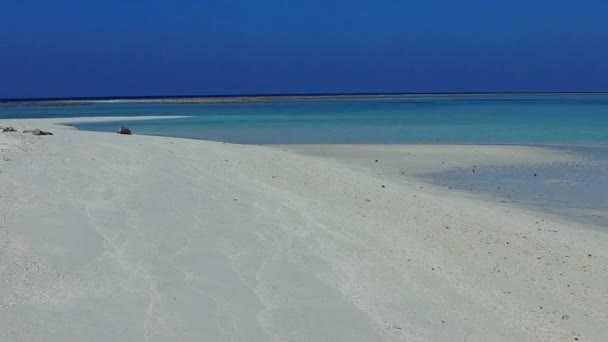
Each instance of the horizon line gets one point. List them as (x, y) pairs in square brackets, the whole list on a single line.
[(286, 95)]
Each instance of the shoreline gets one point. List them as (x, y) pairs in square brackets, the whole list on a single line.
[(539, 154), (531, 155), (143, 237)]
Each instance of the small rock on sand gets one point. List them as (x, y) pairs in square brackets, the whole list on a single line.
[(124, 130), (37, 132), (8, 129)]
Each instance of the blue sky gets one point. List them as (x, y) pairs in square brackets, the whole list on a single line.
[(70, 48)]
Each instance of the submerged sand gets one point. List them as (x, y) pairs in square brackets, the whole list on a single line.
[(136, 238)]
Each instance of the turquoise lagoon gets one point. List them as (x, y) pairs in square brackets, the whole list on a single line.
[(488, 119)]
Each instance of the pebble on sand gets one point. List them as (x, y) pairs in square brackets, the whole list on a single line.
[(8, 129), (37, 132), (124, 130)]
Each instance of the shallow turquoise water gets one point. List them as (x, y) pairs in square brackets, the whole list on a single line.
[(513, 119), (576, 189)]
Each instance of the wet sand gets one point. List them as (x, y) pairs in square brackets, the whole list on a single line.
[(569, 181)]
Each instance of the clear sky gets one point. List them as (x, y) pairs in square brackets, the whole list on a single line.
[(68, 48)]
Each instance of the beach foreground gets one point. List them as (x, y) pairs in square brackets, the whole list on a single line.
[(106, 237)]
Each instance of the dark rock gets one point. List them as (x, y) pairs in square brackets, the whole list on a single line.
[(124, 130), (8, 129), (37, 132)]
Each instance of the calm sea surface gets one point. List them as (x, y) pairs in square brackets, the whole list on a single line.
[(514, 119)]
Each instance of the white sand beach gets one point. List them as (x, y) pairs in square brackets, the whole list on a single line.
[(105, 237)]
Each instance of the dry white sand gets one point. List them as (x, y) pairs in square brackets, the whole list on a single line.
[(136, 238), (420, 159)]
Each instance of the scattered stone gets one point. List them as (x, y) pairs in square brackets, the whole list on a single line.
[(8, 129), (124, 130), (565, 317), (37, 132)]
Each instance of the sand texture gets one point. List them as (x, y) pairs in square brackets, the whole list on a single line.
[(106, 237)]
